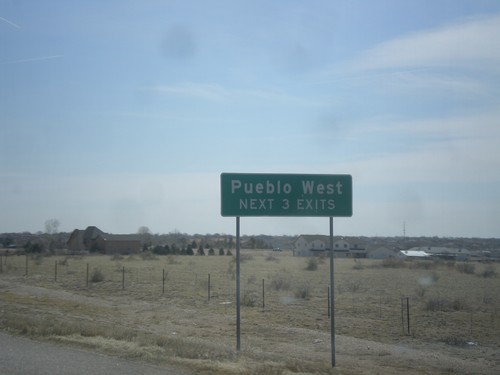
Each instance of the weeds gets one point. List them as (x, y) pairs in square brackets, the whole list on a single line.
[(489, 271), (444, 304), (272, 258), (303, 291), (97, 276), (393, 263), (312, 264), (249, 298), (280, 281), (467, 268)]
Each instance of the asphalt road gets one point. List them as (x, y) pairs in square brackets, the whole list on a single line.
[(22, 356)]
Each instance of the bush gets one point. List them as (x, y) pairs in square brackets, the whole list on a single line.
[(117, 257), (312, 264), (443, 304), (249, 298), (271, 258), (303, 291), (161, 250), (148, 255), (281, 281), (489, 271), (358, 265), (97, 276), (393, 263), (467, 268)]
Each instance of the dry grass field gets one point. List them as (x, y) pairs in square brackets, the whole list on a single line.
[(122, 306)]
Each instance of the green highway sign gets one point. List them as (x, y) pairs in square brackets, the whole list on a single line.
[(262, 194)]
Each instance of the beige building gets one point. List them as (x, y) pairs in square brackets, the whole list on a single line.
[(309, 245)]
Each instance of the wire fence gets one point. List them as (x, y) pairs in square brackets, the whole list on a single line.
[(385, 303)]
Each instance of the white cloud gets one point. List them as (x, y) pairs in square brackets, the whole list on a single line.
[(219, 93), (464, 44)]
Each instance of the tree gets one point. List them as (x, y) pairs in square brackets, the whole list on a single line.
[(211, 251), (51, 228), (145, 234), (221, 251), (33, 247), (201, 251)]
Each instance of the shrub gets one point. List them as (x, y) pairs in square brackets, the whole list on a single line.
[(97, 276), (280, 281), (245, 257), (312, 264), (272, 258), (443, 304), (467, 268), (353, 286), (303, 291), (420, 291), (358, 265), (148, 255), (117, 257), (393, 263), (435, 304), (249, 298), (489, 271)]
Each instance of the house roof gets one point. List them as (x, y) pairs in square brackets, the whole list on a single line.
[(119, 237), (440, 250), (415, 253), (92, 233)]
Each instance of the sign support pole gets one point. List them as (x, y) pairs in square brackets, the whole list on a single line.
[(238, 316), (332, 294)]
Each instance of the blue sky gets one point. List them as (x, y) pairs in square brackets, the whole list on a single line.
[(123, 114)]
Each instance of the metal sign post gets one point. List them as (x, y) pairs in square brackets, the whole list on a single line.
[(332, 295), (238, 306), (261, 194)]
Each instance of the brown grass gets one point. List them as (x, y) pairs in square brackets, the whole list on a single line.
[(291, 335)]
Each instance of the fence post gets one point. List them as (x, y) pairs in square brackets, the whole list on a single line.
[(407, 314), (26, 265), (87, 275), (123, 277), (163, 283), (55, 271), (209, 287), (263, 296)]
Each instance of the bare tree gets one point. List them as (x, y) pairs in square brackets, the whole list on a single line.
[(145, 234), (51, 228)]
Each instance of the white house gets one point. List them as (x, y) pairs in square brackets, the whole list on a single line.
[(308, 245)]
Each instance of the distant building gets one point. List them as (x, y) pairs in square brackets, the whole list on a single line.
[(311, 245), (413, 254), (381, 253), (447, 253), (93, 239)]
